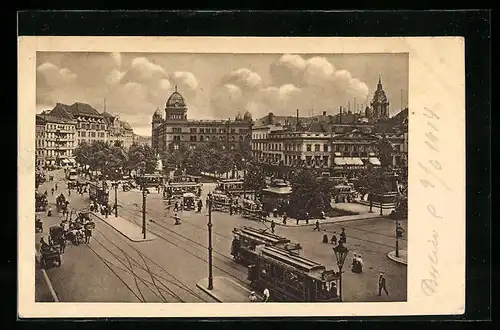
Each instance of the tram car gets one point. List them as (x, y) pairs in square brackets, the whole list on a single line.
[(246, 239), (230, 186), (292, 278), (250, 209), (220, 202), (175, 190), (98, 192)]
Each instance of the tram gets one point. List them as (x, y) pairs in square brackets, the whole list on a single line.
[(175, 190), (246, 239), (221, 202), (99, 192), (292, 278), (230, 186), (250, 209), (150, 180)]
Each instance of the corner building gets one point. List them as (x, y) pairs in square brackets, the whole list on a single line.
[(176, 130)]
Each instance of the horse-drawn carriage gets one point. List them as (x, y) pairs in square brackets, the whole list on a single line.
[(38, 225), (50, 254), (61, 202), (41, 202), (188, 201)]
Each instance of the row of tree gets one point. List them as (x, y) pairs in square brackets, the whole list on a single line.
[(112, 160)]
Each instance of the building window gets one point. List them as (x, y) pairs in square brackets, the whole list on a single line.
[(308, 147), (201, 138), (241, 138), (176, 147), (346, 148), (192, 130), (176, 130), (214, 130), (232, 146), (84, 134), (232, 138), (316, 147), (233, 131), (201, 130), (192, 138), (325, 147)]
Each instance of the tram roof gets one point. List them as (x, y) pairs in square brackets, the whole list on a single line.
[(310, 267), (231, 181), (261, 235)]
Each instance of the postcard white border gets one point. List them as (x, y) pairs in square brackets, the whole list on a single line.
[(436, 242)]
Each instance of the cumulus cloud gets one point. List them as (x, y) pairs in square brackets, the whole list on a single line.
[(244, 78), (185, 80), (55, 76), (296, 83), (117, 58), (144, 72)]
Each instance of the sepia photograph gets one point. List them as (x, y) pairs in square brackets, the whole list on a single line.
[(228, 177)]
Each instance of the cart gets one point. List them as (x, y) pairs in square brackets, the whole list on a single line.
[(38, 226), (50, 255)]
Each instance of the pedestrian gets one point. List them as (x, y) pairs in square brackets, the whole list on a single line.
[(272, 226), (56, 187), (266, 295), (88, 233), (316, 227), (343, 236), (177, 220), (382, 285), (176, 206), (252, 297), (69, 192), (333, 240), (284, 218), (297, 220), (325, 238), (323, 215), (231, 208), (52, 190), (307, 218), (49, 211)]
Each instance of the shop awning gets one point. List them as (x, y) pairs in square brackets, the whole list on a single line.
[(374, 161), (348, 161)]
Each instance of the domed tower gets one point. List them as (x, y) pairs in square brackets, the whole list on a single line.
[(380, 104), (176, 109), (247, 116), (238, 117)]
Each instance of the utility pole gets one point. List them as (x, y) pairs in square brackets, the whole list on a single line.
[(209, 225), (397, 237), (144, 194)]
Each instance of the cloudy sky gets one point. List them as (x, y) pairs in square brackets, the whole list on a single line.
[(218, 85)]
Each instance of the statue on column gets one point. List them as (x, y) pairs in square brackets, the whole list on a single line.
[(159, 164)]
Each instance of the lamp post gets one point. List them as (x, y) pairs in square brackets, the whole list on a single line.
[(340, 253), (397, 237), (209, 225), (244, 178), (116, 199), (144, 194)]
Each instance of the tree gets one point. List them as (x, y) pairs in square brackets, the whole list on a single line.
[(255, 178), (309, 194), (373, 181), (141, 157)]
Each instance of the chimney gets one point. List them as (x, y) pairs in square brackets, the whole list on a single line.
[(324, 113), (340, 115)]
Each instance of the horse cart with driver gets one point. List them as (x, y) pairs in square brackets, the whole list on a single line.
[(50, 254)]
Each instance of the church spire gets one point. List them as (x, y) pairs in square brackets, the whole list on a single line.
[(176, 88)]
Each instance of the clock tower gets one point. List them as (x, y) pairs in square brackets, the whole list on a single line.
[(176, 109)]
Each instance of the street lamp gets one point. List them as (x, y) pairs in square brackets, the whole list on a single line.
[(340, 253), (144, 194), (209, 225), (244, 177), (116, 198)]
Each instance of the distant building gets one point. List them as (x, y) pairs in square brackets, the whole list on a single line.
[(118, 130), (144, 140), (169, 133), (91, 125), (55, 140)]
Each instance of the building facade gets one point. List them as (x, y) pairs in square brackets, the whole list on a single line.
[(119, 131), (55, 140), (174, 130), (91, 125)]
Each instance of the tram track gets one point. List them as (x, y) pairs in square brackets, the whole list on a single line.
[(168, 235), (166, 280)]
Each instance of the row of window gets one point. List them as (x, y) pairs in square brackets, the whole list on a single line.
[(91, 126), (194, 130), (92, 134), (313, 147), (193, 146), (55, 127)]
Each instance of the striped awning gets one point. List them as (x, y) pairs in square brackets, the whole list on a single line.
[(349, 161)]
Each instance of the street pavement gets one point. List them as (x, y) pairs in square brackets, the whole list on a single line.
[(114, 269)]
